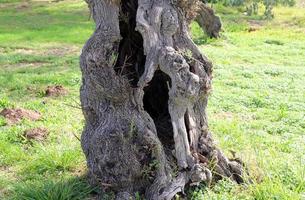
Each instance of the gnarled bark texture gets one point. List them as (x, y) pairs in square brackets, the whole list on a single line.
[(208, 21), (144, 94)]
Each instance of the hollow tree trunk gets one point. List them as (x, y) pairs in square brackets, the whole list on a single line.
[(208, 21), (144, 94)]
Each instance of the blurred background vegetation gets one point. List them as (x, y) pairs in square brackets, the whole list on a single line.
[(252, 6)]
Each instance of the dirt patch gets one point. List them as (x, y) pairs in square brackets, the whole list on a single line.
[(23, 6), (254, 25), (57, 51), (24, 51), (38, 134), (62, 51), (56, 90), (224, 115), (25, 64), (14, 116), (229, 116), (301, 3), (252, 29)]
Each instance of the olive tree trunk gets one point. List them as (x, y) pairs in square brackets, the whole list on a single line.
[(144, 94), (208, 21)]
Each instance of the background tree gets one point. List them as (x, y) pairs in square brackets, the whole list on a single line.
[(207, 20), (144, 94)]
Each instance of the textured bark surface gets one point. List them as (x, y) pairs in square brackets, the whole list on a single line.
[(208, 21), (144, 94)]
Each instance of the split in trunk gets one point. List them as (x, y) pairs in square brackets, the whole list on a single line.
[(144, 94)]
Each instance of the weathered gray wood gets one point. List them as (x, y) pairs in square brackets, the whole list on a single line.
[(144, 93)]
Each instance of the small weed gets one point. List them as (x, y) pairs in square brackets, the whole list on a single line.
[(275, 42), (138, 196), (2, 121), (247, 75), (283, 112), (149, 170), (273, 73), (257, 102), (5, 103)]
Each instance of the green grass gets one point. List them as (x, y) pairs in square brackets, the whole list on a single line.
[(257, 106), (72, 189)]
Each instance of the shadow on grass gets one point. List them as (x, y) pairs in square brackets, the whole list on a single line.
[(76, 188), (198, 35), (201, 40)]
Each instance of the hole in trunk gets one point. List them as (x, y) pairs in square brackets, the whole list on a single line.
[(131, 58), (130, 63), (187, 125), (156, 104)]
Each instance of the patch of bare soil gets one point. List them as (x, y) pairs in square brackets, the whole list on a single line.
[(252, 29), (25, 64), (62, 51), (14, 116), (38, 134), (301, 4), (224, 115), (230, 116), (49, 51), (57, 90), (254, 25), (23, 6), (24, 51)]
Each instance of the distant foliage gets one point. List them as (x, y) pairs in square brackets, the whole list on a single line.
[(243, 2), (268, 8), (286, 2), (252, 5)]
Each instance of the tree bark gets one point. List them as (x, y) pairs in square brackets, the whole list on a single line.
[(208, 21), (144, 94)]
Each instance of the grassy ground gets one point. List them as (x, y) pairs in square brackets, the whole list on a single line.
[(257, 107)]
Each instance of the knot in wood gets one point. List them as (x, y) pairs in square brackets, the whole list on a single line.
[(169, 23), (185, 83), (199, 173)]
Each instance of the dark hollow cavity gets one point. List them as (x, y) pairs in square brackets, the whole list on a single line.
[(156, 104), (131, 59), (131, 62)]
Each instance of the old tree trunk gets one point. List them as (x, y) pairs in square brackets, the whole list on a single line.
[(144, 94)]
